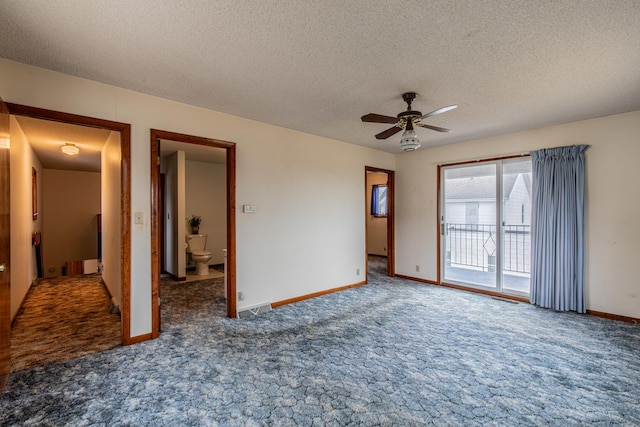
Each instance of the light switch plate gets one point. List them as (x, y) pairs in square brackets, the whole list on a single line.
[(138, 218), (248, 208)]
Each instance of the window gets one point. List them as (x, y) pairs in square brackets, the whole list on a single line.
[(485, 225), (379, 200)]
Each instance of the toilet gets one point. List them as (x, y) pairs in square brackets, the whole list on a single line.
[(196, 244)]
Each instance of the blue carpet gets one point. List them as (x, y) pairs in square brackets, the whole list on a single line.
[(393, 352)]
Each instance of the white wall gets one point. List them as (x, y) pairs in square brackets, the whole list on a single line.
[(23, 264), (110, 206), (376, 226), (71, 203), (206, 195), (612, 203), (308, 189), (175, 217)]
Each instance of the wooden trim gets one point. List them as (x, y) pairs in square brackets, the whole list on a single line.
[(191, 139), (391, 230), (366, 228), (155, 136), (125, 232), (5, 250), (464, 288), (315, 294), (155, 234), (59, 116), (417, 279), (602, 314), (391, 222), (125, 191), (230, 271), (138, 339), (611, 316), (491, 159)]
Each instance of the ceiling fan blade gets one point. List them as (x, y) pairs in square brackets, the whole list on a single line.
[(379, 118), (387, 133), (440, 111), (436, 128)]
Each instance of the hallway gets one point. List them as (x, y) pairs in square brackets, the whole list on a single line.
[(63, 318)]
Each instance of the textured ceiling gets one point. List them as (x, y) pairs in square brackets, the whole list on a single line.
[(318, 66), (46, 137)]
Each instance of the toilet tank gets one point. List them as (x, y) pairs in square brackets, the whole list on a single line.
[(196, 242)]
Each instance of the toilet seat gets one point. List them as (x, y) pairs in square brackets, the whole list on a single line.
[(200, 253)]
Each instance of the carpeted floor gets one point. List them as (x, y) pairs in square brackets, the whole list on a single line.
[(63, 318), (392, 352)]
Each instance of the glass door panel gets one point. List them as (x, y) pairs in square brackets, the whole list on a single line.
[(516, 225), (468, 223)]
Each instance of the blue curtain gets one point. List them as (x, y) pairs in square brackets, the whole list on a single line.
[(375, 200), (557, 223)]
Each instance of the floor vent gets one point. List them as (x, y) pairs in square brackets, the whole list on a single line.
[(254, 310), (510, 301)]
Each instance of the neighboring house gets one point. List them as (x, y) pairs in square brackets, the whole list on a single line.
[(470, 221), (472, 200)]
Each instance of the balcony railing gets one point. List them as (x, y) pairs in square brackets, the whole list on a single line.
[(474, 245)]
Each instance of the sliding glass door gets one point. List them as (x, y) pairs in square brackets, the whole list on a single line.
[(485, 225), (516, 225)]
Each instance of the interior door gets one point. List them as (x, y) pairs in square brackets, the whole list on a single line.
[(5, 250)]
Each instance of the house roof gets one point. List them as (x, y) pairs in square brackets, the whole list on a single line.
[(479, 187), (319, 66)]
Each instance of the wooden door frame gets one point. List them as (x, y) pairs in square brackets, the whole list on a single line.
[(5, 251), (391, 251), (230, 272), (125, 192)]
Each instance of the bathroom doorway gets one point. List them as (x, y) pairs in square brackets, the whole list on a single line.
[(158, 220)]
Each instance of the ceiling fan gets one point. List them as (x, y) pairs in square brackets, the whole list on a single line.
[(407, 120)]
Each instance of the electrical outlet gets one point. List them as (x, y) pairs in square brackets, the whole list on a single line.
[(417, 268), (240, 296), (357, 271)]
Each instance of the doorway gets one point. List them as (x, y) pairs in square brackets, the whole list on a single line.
[(379, 220), (124, 131), (157, 220), (485, 225)]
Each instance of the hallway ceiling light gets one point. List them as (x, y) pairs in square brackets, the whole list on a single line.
[(69, 149)]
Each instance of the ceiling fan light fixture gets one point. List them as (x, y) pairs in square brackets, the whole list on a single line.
[(409, 141), (69, 149)]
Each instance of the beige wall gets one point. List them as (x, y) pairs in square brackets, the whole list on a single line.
[(206, 195), (612, 203), (308, 192), (110, 204), (23, 264), (71, 202), (307, 189), (376, 226)]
